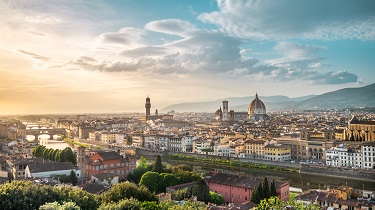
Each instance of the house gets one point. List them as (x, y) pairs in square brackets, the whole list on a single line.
[(110, 162), (50, 169), (238, 189), (340, 198), (93, 188), (17, 166), (104, 179)]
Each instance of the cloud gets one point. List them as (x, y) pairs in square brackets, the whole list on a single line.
[(34, 56), (126, 36), (42, 19), (318, 19), (171, 26)]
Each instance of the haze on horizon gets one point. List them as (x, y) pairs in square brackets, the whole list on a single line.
[(108, 56)]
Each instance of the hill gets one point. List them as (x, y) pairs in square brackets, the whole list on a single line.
[(343, 98)]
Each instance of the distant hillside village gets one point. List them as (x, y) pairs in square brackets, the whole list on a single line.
[(103, 148)]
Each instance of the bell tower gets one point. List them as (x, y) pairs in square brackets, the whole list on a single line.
[(148, 106)]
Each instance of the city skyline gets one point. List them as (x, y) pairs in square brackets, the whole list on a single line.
[(108, 56)]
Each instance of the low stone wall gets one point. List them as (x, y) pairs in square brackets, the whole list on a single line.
[(362, 174)]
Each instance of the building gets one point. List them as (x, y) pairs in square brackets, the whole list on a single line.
[(148, 116), (238, 189), (277, 152), (257, 110), (110, 162), (359, 130), (341, 198), (50, 169), (344, 156), (254, 148), (368, 155)]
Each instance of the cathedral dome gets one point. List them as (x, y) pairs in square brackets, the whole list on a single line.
[(256, 107)]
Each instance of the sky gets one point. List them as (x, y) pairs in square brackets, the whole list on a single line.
[(97, 56)]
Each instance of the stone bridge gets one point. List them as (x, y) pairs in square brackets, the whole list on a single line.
[(49, 131)]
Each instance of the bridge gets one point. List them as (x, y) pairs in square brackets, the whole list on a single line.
[(49, 131)]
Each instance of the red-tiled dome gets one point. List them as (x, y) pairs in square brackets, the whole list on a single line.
[(256, 106)]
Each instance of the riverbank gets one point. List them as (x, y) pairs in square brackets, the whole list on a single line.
[(243, 164)]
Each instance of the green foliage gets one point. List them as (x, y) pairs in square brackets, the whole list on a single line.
[(157, 167), (255, 197), (187, 176), (216, 198), (125, 204), (273, 189), (188, 205), (202, 191), (65, 155), (83, 199), (129, 140), (27, 195), (181, 168), (136, 175), (266, 189), (276, 204), (225, 162), (56, 206), (153, 181), (73, 178), (271, 203), (128, 190), (179, 195), (150, 205)]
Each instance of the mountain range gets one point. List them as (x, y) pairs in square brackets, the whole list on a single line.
[(343, 98)]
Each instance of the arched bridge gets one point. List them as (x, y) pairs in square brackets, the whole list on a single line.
[(49, 131)]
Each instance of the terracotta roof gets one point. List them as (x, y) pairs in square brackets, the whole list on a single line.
[(109, 155), (93, 188), (54, 166)]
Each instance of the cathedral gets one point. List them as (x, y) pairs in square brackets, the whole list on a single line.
[(256, 111)]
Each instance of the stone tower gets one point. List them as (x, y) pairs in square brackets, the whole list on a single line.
[(225, 111), (148, 106), (81, 160)]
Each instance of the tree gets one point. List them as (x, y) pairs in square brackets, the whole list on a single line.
[(266, 188), (181, 168), (276, 204), (179, 195), (56, 206), (271, 203), (125, 204), (260, 191), (142, 168), (128, 190), (255, 197), (202, 191), (157, 167), (216, 198), (273, 189), (129, 140), (153, 181), (70, 156), (73, 178)]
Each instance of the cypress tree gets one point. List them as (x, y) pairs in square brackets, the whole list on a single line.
[(260, 191), (266, 189), (273, 189), (255, 197), (158, 167)]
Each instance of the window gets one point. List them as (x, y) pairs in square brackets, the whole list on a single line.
[(112, 165), (118, 172), (118, 164), (239, 197), (245, 198)]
